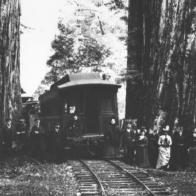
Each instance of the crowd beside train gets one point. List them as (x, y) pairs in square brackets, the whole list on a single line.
[(19, 140), (22, 139), (160, 147)]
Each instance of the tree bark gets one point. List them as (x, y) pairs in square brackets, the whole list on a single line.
[(162, 48), (10, 89)]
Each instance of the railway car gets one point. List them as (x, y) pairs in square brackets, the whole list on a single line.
[(88, 95)]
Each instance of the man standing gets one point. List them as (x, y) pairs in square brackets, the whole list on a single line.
[(129, 141), (112, 140), (21, 136), (192, 149), (153, 147), (57, 143), (181, 152), (37, 140), (7, 137)]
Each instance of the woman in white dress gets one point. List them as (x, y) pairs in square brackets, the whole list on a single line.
[(164, 143)]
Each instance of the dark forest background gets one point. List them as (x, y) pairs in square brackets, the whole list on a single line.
[(156, 57)]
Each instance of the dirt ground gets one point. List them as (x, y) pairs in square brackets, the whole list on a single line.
[(22, 177), (183, 183)]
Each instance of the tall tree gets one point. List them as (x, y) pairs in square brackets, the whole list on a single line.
[(161, 54), (73, 52), (97, 37), (10, 90)]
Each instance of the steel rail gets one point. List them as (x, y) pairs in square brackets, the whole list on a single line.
[(103, 193), (33, 160), (132, 176)]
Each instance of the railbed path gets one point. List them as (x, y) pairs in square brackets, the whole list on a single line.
[(102, 177)]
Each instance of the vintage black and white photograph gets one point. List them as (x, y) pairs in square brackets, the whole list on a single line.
[(98, 97)]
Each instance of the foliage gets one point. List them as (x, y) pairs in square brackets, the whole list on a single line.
[(73, 53), (40, 90), (93, 38)]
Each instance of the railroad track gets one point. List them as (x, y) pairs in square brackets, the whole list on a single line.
[(142, 177), (88, 182), (32, 160), (100, 177)]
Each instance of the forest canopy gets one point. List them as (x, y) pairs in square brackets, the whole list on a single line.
[(93, 39)]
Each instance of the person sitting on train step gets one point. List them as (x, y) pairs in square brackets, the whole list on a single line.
[(164, 143), (7, 137), (57, 143), (74, 127), (112, 140), (129, 140), (37, 138), (142, 150)]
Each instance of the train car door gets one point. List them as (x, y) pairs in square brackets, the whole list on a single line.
[(92, 112)]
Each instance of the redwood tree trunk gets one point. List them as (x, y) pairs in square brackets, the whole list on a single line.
[(162, 49), (10, 90)]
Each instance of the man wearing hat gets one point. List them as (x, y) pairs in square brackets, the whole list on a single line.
[(56, 142), (164, 143), (21, 136), (129, 141), (37, 137)]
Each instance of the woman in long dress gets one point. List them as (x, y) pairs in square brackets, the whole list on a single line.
[(164, 143), (142, 150)]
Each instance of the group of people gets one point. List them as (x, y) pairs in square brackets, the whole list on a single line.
[(36, 141), (160, 148), (18, 139)]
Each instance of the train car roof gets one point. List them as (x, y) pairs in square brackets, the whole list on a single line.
[(84, 79), (48, 95), (30, 103), (75, 80)]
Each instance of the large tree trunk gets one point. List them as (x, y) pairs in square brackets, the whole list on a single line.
[(162, 49), (10, 90)]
